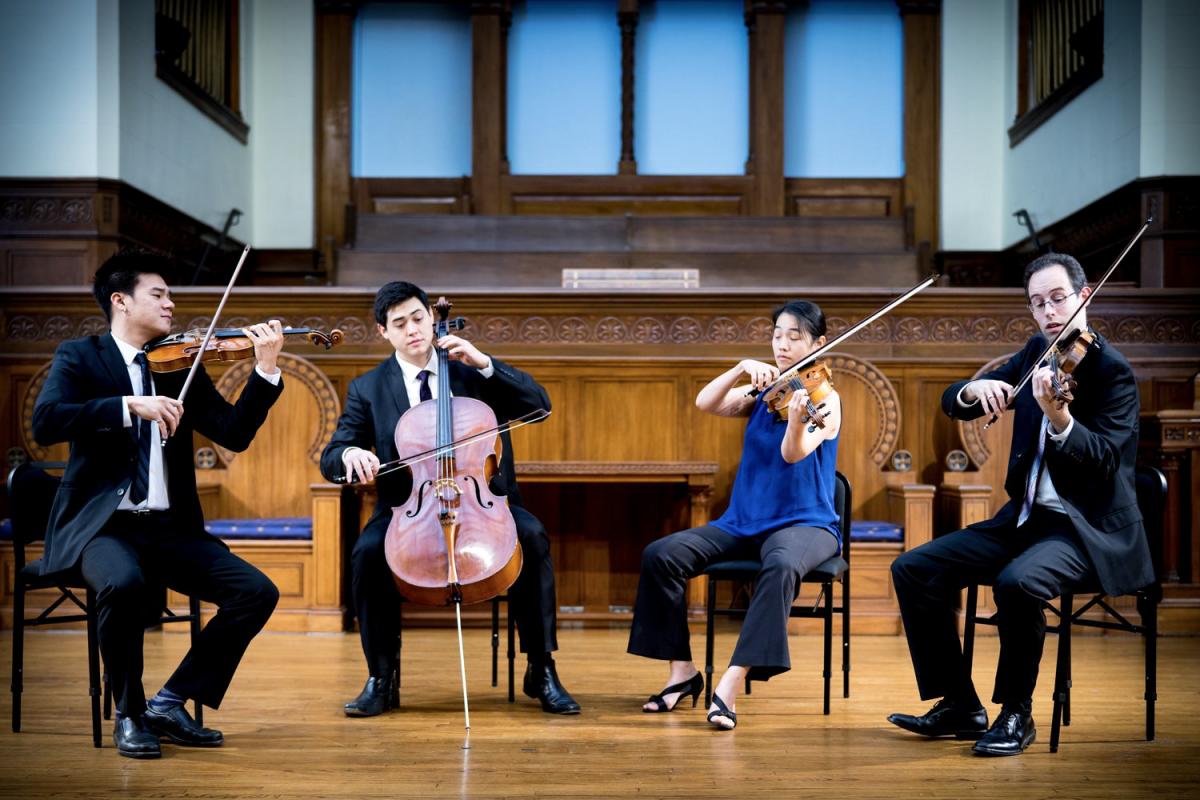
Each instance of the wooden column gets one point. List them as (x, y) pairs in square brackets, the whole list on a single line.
[(765, 162), (627, 20), (334, 28), (489, 32), (922, 77)]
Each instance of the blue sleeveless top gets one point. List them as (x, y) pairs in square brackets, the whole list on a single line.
[(769, 493)]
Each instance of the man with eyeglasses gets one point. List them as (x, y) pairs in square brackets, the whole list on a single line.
[(1071, 521)]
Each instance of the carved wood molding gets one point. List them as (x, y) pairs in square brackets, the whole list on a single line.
[(310, 377), (657, 328), (35, 450), (103, 209), (887, 404)]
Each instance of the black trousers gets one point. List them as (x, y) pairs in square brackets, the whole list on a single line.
[(377, 601), (660, 628), (1024, 566), (129, 563)]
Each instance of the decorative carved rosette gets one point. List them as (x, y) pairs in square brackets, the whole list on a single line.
[(295, 368), (847, 367)]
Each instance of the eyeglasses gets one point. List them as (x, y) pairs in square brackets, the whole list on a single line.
[(1055, 301)]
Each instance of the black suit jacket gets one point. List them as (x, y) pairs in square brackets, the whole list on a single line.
[(80, 403), (1092, 470), (376, 401)]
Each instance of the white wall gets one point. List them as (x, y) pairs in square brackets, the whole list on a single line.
[(169, 148), (1091, 146), (974, 120), (50, 126), (1170, 88), (279, 97)]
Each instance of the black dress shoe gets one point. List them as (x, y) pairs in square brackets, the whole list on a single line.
[(177, 726), (377, 696), (1009, 735), (133, 740), (945, 719), (542, 684)]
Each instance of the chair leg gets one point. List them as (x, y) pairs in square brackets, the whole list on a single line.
[(93, 646), (1149, 611), (107, 695), (710, 609), (828, 646), (512, 652), (495, 639), (1062, 671), (846, 635), (969, 628), (194, 632), (18, 654)]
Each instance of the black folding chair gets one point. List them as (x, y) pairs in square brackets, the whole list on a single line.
[(1151, 495), (834, 570), (31, 491)]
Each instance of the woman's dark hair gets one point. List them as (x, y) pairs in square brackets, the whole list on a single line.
[(810, 315), (121, 271), (1075, 273), (394, 293)]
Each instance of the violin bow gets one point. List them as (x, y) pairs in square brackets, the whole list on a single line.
[(846, 334), (212, 326), (537, 415), (1066, 329)]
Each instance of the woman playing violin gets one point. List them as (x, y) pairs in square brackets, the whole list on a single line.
[(365, 437), (781, 513)]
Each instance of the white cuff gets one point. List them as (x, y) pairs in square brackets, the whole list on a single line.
[(1059, 438), (489, 370), (273, 378), (126, 417), (959, 398), (347, 452)]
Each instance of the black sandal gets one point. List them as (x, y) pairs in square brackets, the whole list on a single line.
[(722, 711), (692, 686)]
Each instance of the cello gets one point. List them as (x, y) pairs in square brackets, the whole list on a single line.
[(453, 541)]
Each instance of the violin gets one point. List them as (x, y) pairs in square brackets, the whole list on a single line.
[(817, 380), (453, 540), (179, 350), (1065, 357)]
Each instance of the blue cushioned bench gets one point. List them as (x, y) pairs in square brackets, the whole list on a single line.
[(875, 531), (279, 528)]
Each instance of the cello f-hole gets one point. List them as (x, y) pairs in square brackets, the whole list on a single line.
[(478, 495), (420, 500)]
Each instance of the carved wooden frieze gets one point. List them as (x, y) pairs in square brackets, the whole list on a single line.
[(654, 329)]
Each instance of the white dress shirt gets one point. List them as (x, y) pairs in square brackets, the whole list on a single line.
[(1047, 495), (412, 385), (156, 490)]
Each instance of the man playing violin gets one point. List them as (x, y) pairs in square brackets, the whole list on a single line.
[(781, 513), (1071, 521), (374, 404), (127, 514)]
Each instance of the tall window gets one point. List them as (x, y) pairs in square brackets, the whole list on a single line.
[(196, 50), (1060, 52)]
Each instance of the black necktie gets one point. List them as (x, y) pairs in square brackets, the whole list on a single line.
[(139, 488), (426, 392)]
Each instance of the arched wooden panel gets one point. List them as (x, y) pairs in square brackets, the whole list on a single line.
[(271, 479)]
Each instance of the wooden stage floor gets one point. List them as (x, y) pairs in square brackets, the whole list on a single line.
[(286, 735)]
